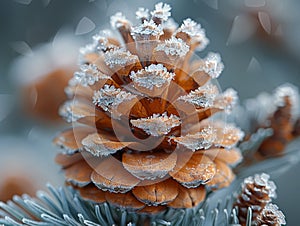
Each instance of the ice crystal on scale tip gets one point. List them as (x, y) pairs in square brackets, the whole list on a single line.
[(88, 75), (173, 46), (152, 71), (142, 14), (157, 125), (146, 30), (120, 57), (109, 97), (212, 65), (153, 75), (203, 96), (290, 92)]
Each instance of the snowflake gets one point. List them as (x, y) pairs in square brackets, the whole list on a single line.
[(153, 75), (173, 46), (157, 125)]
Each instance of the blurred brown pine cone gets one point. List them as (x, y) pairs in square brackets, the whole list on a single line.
[(256, 193), (270, 215), (143, 134), (282, 121), (15, 185), (42, 76)]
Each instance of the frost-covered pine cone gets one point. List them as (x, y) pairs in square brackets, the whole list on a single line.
[(144, 136), (284, 121), (270, 215), (256, 193)]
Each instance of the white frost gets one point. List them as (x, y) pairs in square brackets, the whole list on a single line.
[(161, 11), (119, 57), (147, 29), (201, 140), (153, 75), (109, 97), (203, 97), (290, 91), (157, 125), (212, 65), (142, 14), (174, 47), (87, 76), (118, 20)]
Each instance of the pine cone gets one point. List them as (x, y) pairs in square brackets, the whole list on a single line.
[(256, 193), (43, 76), (147, 138), (270, 215), (282, 121), (15, 185)]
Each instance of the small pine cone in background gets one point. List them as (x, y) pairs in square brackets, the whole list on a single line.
[(283, 121), (144, 136), (42, 77), (11, 185), (270, 215), (256, 193)]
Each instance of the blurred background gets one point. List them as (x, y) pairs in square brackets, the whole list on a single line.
[(257, 39)]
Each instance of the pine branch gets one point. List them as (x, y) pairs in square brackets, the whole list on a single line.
[(62, 206)]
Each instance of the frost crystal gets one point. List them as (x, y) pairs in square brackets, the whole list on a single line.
[(161, 11), (101, 42), (290, 91), (118, 20), (99, 146), (142, 14), (263, 181), (190, 27), (153, 75), (200, 140), (87, 76), (230, 135), (89, 48), (227, 100), (119, 57), (212, 65), (170, 24), (109, 97), (69, 113), (146, 29), (173, 46), (196, 33), (202, 97), (157, 125)]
